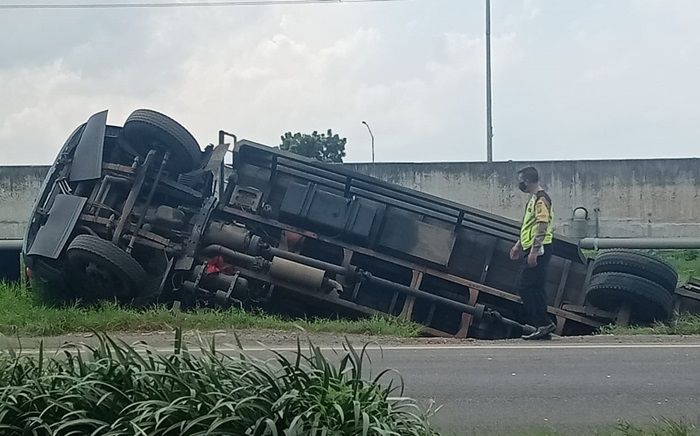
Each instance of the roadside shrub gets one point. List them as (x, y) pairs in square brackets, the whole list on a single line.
[(118, 389)]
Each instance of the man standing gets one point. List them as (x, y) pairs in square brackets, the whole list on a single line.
[(535, 246)]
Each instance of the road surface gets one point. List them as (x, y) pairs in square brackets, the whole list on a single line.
[(564, 387), (506, 387)]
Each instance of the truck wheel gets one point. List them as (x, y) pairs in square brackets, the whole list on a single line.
[(638, 264), (48, 283), (648, 300), (146, 129), (103, 270)]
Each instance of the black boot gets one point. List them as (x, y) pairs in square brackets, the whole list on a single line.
[(543, 332)]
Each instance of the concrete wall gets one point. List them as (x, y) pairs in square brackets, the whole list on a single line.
[(657, 197), (18, 188)]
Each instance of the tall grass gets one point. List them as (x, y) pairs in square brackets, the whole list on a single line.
[(117, 389), (20, 313), (682, 324)]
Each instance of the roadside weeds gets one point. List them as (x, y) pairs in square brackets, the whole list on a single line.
[(682, 324), (20, 314)]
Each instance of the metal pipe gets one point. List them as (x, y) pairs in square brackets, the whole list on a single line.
[(597, 222), (229, 235), (97, 202), (329, 267), (298, 273), (223, 134), (639, 243), (479, 311), (11, 244), (489, 118), (221, 281), (334, 286), (279, 268), (244, 259), (371, 135), (116, 179)]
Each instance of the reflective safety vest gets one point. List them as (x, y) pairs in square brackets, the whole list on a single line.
[(538, 210)]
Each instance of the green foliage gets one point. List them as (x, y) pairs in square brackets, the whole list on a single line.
[(326, 147), (117, 389), (21, 314), (660, 427), (683, 324), (685, 262)]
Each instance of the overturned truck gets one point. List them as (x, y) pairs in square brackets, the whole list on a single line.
[(141, 214)]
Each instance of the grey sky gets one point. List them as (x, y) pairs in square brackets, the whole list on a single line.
[(572, 79)]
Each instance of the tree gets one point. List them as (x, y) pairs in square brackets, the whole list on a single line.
[(326, 147)]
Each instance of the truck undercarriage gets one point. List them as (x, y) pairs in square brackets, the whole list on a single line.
[(140, 214)]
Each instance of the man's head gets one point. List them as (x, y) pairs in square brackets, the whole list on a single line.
[(528, 180)]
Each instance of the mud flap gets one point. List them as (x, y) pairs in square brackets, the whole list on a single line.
[(87, 161), (52, 236)]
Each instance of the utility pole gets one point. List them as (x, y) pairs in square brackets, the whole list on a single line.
[(371, 136), (489, 124)]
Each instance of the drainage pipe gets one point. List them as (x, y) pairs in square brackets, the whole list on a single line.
[(11, 244), (639, 243)]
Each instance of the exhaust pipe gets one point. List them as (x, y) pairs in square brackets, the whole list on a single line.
[(232, 236), (297, 273), (281, 269)]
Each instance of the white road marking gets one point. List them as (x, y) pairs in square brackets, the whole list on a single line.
[(229, 349)]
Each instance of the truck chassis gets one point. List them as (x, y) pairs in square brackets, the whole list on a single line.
[(140, 214)]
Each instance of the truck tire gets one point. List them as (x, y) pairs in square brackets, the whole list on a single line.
[(103, 270), (638, 264), (648, 300), (146, 129)]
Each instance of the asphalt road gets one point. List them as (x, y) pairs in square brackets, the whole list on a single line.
[(502, 389), (570, 385)]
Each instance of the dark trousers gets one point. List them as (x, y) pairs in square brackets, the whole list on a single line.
[(531, 290)]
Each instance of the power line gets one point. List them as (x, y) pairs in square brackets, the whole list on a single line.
[(185, 4)]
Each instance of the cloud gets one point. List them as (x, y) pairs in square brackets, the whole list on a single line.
[(594, 79)]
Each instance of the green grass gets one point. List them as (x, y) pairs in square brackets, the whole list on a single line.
[(661, 427), (656, 427), (683, 324), (21, 314), (685, 262), (117, 390)]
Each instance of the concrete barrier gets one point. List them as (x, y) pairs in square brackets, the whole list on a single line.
[(624, 198)]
